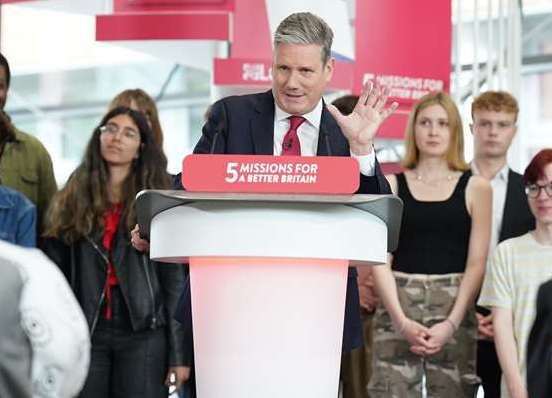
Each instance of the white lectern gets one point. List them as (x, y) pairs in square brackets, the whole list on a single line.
[(268, 278)]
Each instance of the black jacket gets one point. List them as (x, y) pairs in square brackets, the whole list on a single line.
[(150, 289), (539, 346), (244, 124), (517, 218)]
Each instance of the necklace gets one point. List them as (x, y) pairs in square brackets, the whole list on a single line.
[(419, 177), (425, 180)]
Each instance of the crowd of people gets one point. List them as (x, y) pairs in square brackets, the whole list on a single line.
[(471, 233)]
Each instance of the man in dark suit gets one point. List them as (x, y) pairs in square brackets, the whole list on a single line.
[(494, 116), (293, 119), (302, 67), (261, 124)]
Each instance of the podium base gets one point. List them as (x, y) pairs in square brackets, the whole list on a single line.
[(267, 327)]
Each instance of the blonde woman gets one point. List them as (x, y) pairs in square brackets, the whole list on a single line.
[(428, 288)]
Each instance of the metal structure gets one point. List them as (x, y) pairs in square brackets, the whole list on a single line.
[(486, 55)]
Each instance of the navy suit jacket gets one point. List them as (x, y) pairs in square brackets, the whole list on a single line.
[(517, 218), (245, 125)]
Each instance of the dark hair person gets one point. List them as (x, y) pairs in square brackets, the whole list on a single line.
[(128, 300), (139, 100)]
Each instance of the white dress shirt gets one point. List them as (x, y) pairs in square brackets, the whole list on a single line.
[(308, 137), (499, 184)]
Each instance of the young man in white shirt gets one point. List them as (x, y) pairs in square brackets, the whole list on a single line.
[(494, 127)]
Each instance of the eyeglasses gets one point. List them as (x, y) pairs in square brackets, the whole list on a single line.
[(533, 190), (112, 129)]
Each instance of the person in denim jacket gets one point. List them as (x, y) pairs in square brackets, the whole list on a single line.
[(17, 218)]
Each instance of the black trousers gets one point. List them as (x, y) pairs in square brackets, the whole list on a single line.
[(488, 368), (125, 363)]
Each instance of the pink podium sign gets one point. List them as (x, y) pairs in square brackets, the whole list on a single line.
[(270, 174)]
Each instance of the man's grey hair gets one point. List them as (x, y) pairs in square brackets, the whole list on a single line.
[(305, 28)]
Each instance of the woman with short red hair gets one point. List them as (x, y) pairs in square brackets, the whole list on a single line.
[(516, 270)]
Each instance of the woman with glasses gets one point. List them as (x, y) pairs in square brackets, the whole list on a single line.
[(127, 299), (517, 268), (140, 101), (428, 330)]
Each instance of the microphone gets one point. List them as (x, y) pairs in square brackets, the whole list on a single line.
[(218, 130), (214, 143)]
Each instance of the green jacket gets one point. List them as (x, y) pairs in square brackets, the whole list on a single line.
[(26, 166)]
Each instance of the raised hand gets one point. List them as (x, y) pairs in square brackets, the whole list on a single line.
[(361, 126), (176, 376)]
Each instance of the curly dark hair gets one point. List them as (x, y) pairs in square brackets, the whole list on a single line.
[(77, 210), (5, 64), (7, 130)]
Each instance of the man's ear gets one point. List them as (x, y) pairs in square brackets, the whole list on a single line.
[(329, 69)]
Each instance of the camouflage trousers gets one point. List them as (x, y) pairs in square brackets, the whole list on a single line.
[(397, 372)]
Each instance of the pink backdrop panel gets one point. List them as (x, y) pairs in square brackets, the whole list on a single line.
[(405, 45), (172, 5)]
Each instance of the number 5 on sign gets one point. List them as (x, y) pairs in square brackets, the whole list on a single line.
[(231, 172)]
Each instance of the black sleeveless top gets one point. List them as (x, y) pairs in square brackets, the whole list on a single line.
[(434, 236)]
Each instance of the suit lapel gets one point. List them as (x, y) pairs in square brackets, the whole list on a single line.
[(262, 125), (512, 201), (329, 128)]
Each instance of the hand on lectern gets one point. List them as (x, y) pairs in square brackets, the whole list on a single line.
[(176, 376), (139, 244)]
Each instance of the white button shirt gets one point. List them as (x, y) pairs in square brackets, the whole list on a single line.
[(308, 137), (499, 184)]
